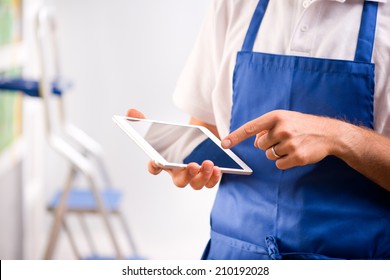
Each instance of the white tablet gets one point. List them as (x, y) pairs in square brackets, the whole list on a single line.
[(176, 145)]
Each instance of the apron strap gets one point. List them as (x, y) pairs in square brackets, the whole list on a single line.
[(254, 26), (365, 43)]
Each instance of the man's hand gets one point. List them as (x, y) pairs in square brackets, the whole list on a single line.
[(289, 138), (197, 176), (296, 139), (207, 175)]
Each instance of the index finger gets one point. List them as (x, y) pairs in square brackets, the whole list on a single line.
[(134, 113), (249, 129)]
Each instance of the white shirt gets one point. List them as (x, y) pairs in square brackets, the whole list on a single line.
[(315, 28)]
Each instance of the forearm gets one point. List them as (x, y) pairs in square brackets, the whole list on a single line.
[(302, 139), (365, 151), (210, 127)]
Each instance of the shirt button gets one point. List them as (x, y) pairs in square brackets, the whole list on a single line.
[(304, 28)]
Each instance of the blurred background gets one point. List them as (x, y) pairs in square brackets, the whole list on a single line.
[(117, 55)]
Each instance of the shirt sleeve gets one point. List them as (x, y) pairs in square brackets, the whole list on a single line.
[(198, 78)]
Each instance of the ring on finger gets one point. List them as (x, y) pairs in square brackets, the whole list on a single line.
[(274, 152)]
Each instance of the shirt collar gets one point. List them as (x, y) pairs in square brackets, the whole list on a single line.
[(343, 1)]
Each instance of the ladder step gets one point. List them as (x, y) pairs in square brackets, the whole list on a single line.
[(84, 200), (98, 257)]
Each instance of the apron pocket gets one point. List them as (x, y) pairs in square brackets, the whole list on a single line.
[(306, 256), (222, 247)]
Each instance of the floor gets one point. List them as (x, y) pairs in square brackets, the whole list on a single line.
[(148, 247)]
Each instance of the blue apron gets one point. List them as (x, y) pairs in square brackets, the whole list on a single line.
[(320, 211)]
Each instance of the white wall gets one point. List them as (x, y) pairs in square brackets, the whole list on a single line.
[(22, 205), (129, 53), (10, 197)]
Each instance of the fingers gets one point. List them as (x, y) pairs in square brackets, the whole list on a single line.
[(182, 177), (153, 168), (260, 139), (214, 179), (249, 129), (289, 138), (275, 152), (299, 151), (291, 160), (282, 159), (134, 113), (207, 175)]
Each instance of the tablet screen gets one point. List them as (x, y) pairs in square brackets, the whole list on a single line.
[(176, 145), (183, 144)]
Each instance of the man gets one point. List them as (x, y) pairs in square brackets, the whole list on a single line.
[(306, 92)]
